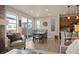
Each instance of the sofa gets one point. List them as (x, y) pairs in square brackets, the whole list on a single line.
[(15, 41)]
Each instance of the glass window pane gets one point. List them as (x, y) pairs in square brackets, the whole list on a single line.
[(24, 25), (29, 20), (11, 27), (38, 24), (11, 16), (11, 22), (29, 25), (24, 20)]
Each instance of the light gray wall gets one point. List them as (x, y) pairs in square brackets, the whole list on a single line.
[(51, 34)]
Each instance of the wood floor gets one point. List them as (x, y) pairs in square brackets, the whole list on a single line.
[(52, 45)]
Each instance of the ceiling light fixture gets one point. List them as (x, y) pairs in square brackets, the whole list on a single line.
[(77, 16), (68, 17)]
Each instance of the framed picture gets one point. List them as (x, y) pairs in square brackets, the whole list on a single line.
[(45, 24), (53, 23)]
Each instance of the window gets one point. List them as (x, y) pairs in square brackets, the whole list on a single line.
[(11, 22), (38, 24), (24, 22), (27, 25)]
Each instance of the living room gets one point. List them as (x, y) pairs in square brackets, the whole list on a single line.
[(14, 21), (35, 28)]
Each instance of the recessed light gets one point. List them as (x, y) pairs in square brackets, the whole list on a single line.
[(46, 9)]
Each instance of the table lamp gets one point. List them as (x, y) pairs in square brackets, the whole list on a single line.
[(77, 29)]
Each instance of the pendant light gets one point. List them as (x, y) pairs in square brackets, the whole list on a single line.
[(68, 17), (77, 16)]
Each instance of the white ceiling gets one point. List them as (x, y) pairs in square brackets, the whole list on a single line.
[(44, 10)]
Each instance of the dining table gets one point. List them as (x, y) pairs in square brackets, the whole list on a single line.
[(40, 36)]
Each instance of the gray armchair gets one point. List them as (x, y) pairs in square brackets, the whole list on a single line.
[(15, 41)]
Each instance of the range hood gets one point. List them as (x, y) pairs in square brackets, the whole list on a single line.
[(3, 22)]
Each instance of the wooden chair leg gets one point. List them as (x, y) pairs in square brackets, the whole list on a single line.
[(24, 48), (34, 40)]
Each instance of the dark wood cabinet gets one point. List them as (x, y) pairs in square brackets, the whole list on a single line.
[(65, 23), (67, 26)]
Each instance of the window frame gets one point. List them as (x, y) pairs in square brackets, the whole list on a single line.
[(9, 18)]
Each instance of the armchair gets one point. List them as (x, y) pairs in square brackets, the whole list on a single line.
[(15, 41)]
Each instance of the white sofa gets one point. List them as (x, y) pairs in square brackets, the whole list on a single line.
[(73, 48)]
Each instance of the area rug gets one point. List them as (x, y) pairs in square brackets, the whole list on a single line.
[(29, 51)]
